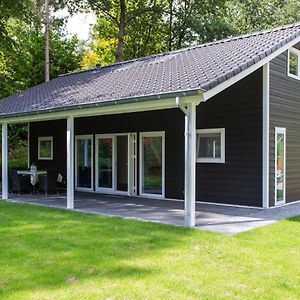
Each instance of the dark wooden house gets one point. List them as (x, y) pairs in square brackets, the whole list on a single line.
[(218, 122)]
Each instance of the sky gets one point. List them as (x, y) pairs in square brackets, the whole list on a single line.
[(79, 23)]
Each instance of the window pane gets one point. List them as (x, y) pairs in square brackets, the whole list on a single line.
[(105, 162), (280, 167), (293, 64), (152, 165), (45, 149), (122, 163), (209, 145), (84, 163)]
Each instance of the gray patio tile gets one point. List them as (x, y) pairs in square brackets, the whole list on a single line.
[(218, 218)]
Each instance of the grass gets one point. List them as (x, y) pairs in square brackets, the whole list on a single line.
[(49, 253)]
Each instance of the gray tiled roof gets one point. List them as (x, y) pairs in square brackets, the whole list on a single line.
[(199, 67)]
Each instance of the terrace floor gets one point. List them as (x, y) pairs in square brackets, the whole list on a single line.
[(220, 218)]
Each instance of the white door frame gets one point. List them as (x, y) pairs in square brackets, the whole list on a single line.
[(131, 162), (83, 137), (132, 166), (97, 188), (280, 130), (115, 167), (141, 167)]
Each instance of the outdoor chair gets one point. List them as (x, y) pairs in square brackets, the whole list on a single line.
[(19, 183), (48, 183)]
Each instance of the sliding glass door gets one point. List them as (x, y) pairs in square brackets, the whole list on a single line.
[(83, 162), (152, 164), (280, 165), (115, 163)]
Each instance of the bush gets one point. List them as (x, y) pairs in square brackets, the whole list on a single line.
[(20, 163)]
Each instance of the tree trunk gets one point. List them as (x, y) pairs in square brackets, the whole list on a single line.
[(121, 33), (182, 29), (170, 25), (46, 40)]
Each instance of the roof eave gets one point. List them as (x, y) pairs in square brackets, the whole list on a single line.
[(115, 102)]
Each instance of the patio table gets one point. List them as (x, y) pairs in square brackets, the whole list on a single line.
[(34, 175)]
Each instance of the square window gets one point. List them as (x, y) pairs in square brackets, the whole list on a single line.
[(211, 145), (45, 148), (294, 63)]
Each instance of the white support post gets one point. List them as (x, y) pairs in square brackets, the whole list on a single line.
[(266, 135), (190, 166), (70, 162), (4, 162)]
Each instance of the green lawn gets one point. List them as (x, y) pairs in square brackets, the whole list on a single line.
[(56, 254)]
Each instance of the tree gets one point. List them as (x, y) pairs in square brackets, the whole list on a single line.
[(25, 67), (197, 22), (47, 25), (22, 58), (11, 9), (122, 18), (254, 15)]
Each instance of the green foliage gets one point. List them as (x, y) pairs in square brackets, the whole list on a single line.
[(20, 10), (154, 26), (198, 22), (253, 15), (22, 57), (18, 163), (25, 67)]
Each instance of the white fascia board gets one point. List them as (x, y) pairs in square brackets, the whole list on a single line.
[(224, 85), (106, 110)]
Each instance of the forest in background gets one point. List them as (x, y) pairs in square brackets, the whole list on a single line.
[(125, 29)]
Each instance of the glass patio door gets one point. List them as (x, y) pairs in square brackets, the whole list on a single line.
[(115, 164), (152, 164), (83, 162)]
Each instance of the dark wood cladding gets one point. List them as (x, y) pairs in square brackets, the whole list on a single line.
[(171, 121), (56, 129), (238, 109), (285, 112)]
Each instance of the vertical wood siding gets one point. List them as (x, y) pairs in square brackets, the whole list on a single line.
[(56, 129), (285, 112), (238, 109)]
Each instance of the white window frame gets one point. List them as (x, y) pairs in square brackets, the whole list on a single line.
[(280, 130), (42, 139), (219, 160), (83, 137), (141, 165), (296, 52)]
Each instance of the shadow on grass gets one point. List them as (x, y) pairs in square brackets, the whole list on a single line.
[(46, 247), (294, 219)]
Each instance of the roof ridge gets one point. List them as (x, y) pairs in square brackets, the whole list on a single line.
[(224, 40), (237, 37)]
